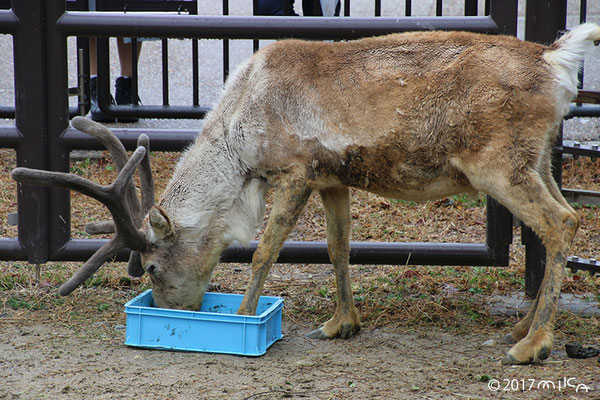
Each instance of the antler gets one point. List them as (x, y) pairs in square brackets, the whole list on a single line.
[(119, 197), (119, 155)]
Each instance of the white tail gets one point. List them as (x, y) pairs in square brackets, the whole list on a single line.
[(566, 54)]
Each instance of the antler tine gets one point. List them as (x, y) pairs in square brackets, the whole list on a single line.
[(60, 179), (118, 153), (115, 147), (105, 136), (111, 195), (147, 193), (99, 227), (146, 180), (105, 253), (134, 267), (119, 207)]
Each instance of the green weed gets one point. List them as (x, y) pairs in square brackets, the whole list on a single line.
[(81, 167), (17, 303), (467, 201)]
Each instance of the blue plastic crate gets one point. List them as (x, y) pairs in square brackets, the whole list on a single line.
[(214, 329)]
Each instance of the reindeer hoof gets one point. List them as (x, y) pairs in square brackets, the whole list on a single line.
[(544, 353), (509, 339), (510, 360), (318, 334), (346, 331)]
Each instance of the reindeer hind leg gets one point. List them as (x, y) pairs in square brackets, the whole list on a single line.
[(530, 198), (545, 172)]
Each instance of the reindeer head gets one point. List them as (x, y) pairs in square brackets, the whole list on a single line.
[(155, 244), (179, 268)]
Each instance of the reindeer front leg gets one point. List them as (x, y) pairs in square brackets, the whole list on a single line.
[(346, 321), (289, 200)]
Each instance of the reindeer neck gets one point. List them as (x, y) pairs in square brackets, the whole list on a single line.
[(205, 182)]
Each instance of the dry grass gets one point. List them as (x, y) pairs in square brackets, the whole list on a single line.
[(450, 297)]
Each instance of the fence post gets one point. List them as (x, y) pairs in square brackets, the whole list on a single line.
[(543, 20), (504, 13), (30, 120), (499, 219), (55, 61)]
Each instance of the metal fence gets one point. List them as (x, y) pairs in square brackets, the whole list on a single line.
[(42, 137), (256, 28)]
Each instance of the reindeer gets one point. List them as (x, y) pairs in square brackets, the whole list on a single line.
[(415, 116)]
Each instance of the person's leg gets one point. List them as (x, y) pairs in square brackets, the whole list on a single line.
[(93, 57), (311, 8), (97, 114), (275, 7), (124, 83), (125, 57)]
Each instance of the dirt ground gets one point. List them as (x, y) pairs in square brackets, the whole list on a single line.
[(427, 344), (90, 361)]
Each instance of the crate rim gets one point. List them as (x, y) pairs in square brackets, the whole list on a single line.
[(175, 313)]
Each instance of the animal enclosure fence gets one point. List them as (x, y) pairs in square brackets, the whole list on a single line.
[(43, 139)]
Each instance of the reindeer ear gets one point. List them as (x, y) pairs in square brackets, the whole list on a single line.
[(161, 223)]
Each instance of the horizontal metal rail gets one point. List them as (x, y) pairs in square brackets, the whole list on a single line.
[(581, 196), (583, 111), (8, 21), (75, 23), (160, 139), (301, 252), (583, 264), (72, 139), (578, 149), (11, 249), (10, 137), (7, 112), (375, 253)]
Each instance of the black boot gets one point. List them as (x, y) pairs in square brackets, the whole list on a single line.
[(97, 114), (123, 96)]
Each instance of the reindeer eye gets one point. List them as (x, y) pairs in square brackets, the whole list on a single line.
[(151, 268)]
